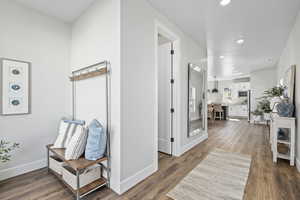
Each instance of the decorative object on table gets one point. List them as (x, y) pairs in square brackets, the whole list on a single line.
[(15, 87), (5, 149), (96, 142), (285, 108)]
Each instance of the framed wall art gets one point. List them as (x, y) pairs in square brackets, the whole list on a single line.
[(15, 87)]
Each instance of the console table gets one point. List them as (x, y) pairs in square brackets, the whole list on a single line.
[(278, 123)]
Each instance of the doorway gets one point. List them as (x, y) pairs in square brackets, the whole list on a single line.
[(165, 55)]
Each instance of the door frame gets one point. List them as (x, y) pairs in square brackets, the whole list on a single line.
[(160, 28)]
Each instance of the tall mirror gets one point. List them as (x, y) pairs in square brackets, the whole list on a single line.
[(196, 99)]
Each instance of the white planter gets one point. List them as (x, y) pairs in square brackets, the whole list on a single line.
[(257, 118), (56, 164), (90, 175), (267, 116)]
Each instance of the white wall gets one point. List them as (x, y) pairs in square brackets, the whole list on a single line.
[(30, 36), (260, 81), (138, 89), (291, 56), (96, 37)]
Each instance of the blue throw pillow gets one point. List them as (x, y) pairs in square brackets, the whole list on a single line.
[(96, 142)]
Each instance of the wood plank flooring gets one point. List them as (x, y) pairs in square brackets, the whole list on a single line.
[(267, 181)]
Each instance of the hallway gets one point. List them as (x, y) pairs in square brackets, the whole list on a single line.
[(266, 181)]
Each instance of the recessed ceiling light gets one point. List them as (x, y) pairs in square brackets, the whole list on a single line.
[(222, 57), (240, 41), (225, 2)]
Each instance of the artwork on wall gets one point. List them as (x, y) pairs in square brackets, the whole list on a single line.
[(227, 93), (288, 81), (15, 87)]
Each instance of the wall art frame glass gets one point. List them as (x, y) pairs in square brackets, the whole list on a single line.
[(15, 89)]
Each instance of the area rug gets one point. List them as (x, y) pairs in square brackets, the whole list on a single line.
[(220, 176)]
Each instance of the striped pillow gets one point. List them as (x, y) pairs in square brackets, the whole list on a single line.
[(69, 135), (63, 130), (75, 148)]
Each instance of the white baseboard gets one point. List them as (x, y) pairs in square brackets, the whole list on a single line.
[(190, 145), (298, 164), (22, 169), (136, 178)]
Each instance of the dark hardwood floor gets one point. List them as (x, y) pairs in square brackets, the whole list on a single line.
[(267, 181)]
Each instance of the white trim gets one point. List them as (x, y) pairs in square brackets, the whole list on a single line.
[(192, 144), (136, 178), (298, 164), (22, 169), (164, 30)]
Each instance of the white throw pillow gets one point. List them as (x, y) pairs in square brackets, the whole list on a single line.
[(69, 134), (76, 146), (62, 134)]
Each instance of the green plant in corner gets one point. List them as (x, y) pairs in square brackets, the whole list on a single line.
[(5, 149)]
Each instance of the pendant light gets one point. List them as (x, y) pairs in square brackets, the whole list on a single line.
[(215, 90)]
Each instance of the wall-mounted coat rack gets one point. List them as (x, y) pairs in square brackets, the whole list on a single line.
[(80, 165), (88, 73)]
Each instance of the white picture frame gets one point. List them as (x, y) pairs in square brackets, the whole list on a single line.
[(15, 89), (289, 82)]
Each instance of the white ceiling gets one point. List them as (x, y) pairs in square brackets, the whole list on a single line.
[(66, 10), (264, 24)]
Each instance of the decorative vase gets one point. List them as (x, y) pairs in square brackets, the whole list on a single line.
[(273, 102), (285, 109)]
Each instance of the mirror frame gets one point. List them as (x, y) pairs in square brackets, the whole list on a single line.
[(204, 96)]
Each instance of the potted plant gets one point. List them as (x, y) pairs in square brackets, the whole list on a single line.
[(5, 149), (265, 107), (274, 94), (257, 115)]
